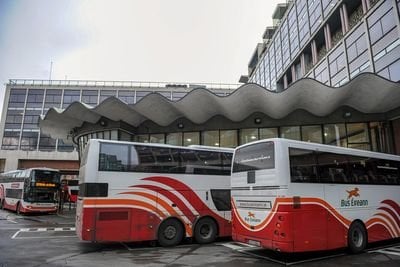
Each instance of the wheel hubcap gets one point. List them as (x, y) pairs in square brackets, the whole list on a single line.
[(357, 238), (170, 232), (205, 231)]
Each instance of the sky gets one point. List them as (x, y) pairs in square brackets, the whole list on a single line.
[(191, 41)]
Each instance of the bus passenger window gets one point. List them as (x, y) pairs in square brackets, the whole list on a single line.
[(303, 167)]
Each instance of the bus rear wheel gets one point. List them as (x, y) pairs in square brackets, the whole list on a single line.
[(357, 237), (170, 233), (205, 231)]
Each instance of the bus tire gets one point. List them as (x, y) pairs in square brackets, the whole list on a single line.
[(357, 237), (170, 233), (205, 231)]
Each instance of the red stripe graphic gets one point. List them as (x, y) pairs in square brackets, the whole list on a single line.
[(392, 215), (393, 204), (187, 192), (172, 197)]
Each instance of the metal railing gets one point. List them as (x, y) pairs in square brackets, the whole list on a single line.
[(133, 84)]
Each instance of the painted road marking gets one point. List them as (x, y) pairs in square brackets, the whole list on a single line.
[(43, 230), (389, 251), (236, 245)]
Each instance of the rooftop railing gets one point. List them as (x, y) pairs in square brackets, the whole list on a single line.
[(133, 84)]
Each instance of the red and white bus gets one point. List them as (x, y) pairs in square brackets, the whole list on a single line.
[(137, 192), (30, 190), (294, 196)]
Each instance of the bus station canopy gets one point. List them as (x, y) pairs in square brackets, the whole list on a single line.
[(367, 93)]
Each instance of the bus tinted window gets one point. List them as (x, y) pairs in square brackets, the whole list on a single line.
[(332, 167), (113, 157), (221, 199), (303, 165), (254, 157), (325, 167), (152, 159)]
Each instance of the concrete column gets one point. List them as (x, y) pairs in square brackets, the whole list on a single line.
[(303, 65), (342, 21), (346, 17), (293, 70)]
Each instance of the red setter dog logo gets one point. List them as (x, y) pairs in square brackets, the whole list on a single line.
[(250, 214), (353, 193)]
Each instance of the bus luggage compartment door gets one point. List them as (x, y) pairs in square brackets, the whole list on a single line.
[(113, 225)]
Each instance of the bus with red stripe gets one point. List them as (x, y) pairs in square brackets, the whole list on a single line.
[(138, 191), (30, 191), (293, 196)]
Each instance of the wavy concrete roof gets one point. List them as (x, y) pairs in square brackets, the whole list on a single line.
[(367, 93)]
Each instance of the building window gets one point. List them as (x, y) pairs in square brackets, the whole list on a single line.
[(228, 138), (312, 133), (248, 135), (174, 139), (165, 94), (178, 95), (210, 138), (142, 138), (63, 147), (29, 140), (17, 98), (141, 94), (46, 143), (358, 136), (13, 119), (268, 133), (104, 94), (31, 120), (291, 132), (71, 96), (157, 138), (90, 97), (53, 98), (381, 21), (335, 134), (127, 96), (10, 140), (191, 138), (35, 98)]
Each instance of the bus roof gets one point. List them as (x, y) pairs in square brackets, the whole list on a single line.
[(195, 147), (327, 148)]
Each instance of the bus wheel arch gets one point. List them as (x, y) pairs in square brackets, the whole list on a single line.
[(205, 230), (357, 237), (170, 232)]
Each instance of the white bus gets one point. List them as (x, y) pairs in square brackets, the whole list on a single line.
[(294, 196), (136, 192), (30, 190)]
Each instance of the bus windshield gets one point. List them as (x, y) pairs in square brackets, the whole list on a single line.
[(46, 176), (259, 156), (40, 195)]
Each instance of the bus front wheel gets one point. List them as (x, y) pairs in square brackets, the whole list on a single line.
[(205, 231), (357, 237), (170, 233)]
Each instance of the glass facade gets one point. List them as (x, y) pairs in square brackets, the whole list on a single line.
[(345, 38)]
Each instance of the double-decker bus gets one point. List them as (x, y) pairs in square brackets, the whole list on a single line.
[(138, 192), (293, 196), (31, 190)]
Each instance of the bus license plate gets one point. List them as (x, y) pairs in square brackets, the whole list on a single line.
[(254, 243)]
